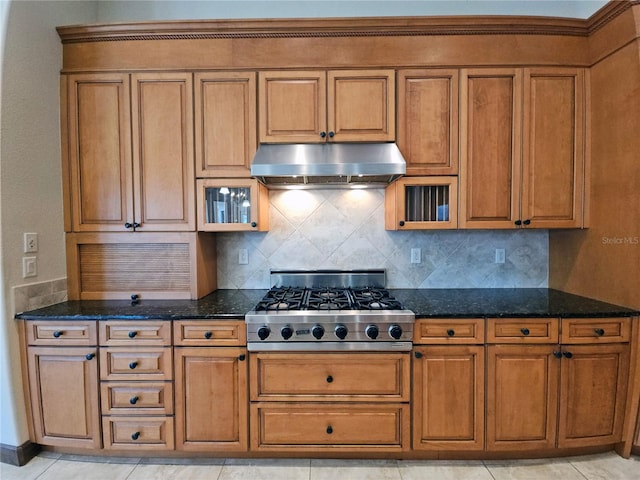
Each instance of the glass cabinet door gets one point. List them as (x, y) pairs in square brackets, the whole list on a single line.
[(231, 205)]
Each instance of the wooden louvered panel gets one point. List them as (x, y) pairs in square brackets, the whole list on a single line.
[(117, 267)]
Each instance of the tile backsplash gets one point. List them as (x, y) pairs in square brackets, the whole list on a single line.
[(38, 295), (344, 229)]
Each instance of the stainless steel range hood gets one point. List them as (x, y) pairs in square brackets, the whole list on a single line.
[(328, 165)]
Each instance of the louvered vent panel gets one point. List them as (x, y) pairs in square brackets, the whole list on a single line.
[(134, 267)]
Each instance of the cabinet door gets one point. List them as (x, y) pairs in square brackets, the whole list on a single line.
[(522, 397), (225, 123), (293, 106), (99, 125), (211, 398), (162, 116), (593, 392), (448, 398), (490, 147), (64, 396), (361, 105), (428, 121), (553, 151)]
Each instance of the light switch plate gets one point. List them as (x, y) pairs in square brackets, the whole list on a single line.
[(500, 255), (415, 255), (243, 256), (29, 267), (30, 243)]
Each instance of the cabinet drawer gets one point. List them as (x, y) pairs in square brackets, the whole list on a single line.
[(140, 398), (206, 333), (449, 331), (134, 433), (125, 333), (595, 330), (522, 330), (330, 376), (52, 333), (140, 364), (317, 426)]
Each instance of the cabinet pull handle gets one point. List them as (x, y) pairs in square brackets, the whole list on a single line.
[(525, 331), (136, 225), (332, 134), (207, 335), (451, 332), (557, 354), (323, 134), (567, 354), (518, 222), (329, 429), (254, 224), (128, 225), (527, 222), (401, 223), (133, 365), (135, 436), (241, 357), (329, 379), (132, 334), (599, 331), (417, 354), (90, 356), (57, 334), (133, 401)]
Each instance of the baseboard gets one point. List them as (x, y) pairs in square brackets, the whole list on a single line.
[(19, 455)]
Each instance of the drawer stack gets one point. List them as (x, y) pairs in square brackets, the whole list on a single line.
[(136, 383)]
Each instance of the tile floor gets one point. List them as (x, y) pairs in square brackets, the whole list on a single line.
[(48, 466)]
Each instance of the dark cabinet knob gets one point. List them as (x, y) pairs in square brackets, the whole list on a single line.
[(254, 224), (135, 436), (518, 222), (525, 331), (128, 225), (527, 222), (136, 225), (323, 134), (207, 335), (90, 356), (329, 379), (134, 296), (133, 401), (567, 354), (329, 429), (401, 223), (451, 332), (132, 334), (242, 357), (417, 354), (599, 331), (332, 134), (557, 354), (133, 365), (57, 333)]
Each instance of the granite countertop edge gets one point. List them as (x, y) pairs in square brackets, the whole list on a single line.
[(425, 303)]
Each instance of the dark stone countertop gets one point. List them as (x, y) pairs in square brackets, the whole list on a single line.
[(425, 303)]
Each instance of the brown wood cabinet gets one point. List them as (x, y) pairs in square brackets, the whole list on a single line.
[(63, 384), (522, 147), (225, 123), (318, 106)]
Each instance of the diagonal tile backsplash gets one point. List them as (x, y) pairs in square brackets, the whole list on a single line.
[(344, 229)]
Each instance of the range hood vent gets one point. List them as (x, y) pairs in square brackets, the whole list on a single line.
[(328, 165)]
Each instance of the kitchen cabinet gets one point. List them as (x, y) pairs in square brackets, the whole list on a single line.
[(522, 147), (62, 370), (225, 123), (420, 203), (316, 106), (211, 386), (428, 120), (130, 152)]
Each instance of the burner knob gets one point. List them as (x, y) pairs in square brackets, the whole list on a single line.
[(317, 331), (286, 332), (341, 332), (263, 332), (395, 331), (372, 331)]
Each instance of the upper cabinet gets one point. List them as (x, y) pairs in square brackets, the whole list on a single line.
[(130, 152), (319, 106), (522, 148), (428, 120), (225, 123)]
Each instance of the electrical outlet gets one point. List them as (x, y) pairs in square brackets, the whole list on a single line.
[(243, 256), (415, 255), (30, 242), (29, 267), (500, 255)]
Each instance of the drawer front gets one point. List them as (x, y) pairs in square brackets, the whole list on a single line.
[(134, 433), (52, 333), (595, 330), (125, 333), (201, 333), (317, 426), (118, 363), (448, 331), (330, 376), (523, 330), (139, 398)]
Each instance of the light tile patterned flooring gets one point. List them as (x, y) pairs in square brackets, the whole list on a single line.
[(48, 466)]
